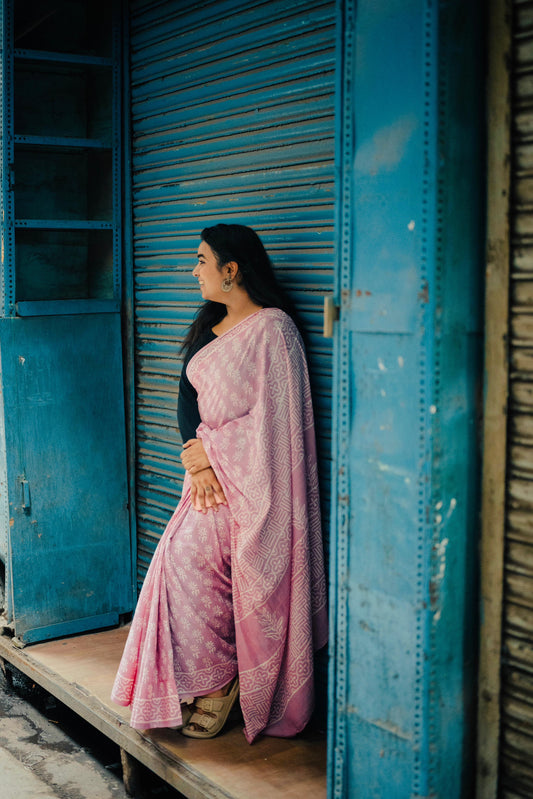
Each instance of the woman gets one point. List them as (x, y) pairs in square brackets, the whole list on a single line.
[(235, 596)]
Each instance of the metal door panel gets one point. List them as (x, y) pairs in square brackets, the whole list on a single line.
[(69, 568), (407, 372)]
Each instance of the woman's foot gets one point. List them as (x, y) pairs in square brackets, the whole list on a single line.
[(211, 712), (186, 713)]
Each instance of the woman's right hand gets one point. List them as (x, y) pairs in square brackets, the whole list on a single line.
[(194, 456), (206, 491)]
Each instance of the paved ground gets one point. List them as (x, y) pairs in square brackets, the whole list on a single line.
[(48, 752)]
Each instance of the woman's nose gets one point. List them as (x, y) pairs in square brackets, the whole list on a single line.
[(195, 271)]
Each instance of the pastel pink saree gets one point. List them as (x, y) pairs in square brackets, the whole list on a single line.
[(242, 589)]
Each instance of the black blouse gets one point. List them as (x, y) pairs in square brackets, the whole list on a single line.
[(188, 414)]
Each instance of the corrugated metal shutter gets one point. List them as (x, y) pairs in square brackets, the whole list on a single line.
[(516, 766), (232, 120)]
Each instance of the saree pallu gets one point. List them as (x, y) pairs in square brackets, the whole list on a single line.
[(242, 589)]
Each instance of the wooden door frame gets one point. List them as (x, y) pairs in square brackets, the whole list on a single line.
[(496, 393)]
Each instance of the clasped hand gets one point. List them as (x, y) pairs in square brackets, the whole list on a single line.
[(206, 491)]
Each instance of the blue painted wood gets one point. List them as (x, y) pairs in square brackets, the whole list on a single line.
[(65, 433), (407, 373)]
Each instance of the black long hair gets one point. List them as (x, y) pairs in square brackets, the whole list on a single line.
[(240, 244)]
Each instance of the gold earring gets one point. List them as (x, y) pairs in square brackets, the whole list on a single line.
[(227, 284)]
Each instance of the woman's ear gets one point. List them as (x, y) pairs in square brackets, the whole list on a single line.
[(231, 269)]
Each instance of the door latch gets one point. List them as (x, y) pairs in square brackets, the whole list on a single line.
[(331, 315)]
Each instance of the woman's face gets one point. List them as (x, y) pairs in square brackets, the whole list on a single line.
[(209, 275)]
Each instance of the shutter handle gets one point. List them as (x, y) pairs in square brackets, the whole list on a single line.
[(331, 315)]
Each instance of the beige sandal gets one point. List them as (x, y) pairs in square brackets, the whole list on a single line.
[(216, 711)]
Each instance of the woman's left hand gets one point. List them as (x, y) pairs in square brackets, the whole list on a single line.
[(194, 457)]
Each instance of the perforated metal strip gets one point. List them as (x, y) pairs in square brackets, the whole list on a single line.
[(337, 744)]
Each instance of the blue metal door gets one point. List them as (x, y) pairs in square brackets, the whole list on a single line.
[(407, 381), (63, 466), (69, 565)]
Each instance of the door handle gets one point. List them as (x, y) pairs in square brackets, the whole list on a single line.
[(26, 497)]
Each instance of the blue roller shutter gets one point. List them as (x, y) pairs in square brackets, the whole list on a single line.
[(232, 120)]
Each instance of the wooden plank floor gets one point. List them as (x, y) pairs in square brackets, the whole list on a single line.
[(80, 671)]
